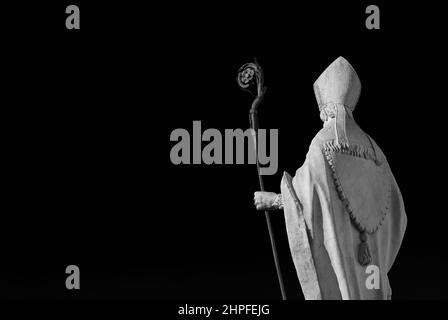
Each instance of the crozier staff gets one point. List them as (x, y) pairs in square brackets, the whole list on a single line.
[(250, 77)]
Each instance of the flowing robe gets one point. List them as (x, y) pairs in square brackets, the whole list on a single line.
[(323, 239)]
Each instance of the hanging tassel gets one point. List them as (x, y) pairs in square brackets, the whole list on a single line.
[(364, 256)]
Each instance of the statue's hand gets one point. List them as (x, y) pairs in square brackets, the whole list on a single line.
[(264, 200)]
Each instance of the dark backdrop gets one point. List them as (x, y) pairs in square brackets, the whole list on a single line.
[(87, 117)]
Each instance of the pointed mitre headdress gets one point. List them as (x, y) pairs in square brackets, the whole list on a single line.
[(338, 87)]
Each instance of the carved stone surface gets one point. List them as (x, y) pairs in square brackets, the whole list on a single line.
[(347, 201)]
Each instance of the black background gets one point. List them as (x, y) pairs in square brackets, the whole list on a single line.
[(87, 117)]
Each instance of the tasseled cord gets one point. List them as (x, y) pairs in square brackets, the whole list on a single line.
[(364, 256), (341, 142)]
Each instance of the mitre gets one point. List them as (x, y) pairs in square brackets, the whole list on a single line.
[(338, 84), (338, 87)]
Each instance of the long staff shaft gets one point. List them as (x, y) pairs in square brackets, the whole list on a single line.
[(254, 126)]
